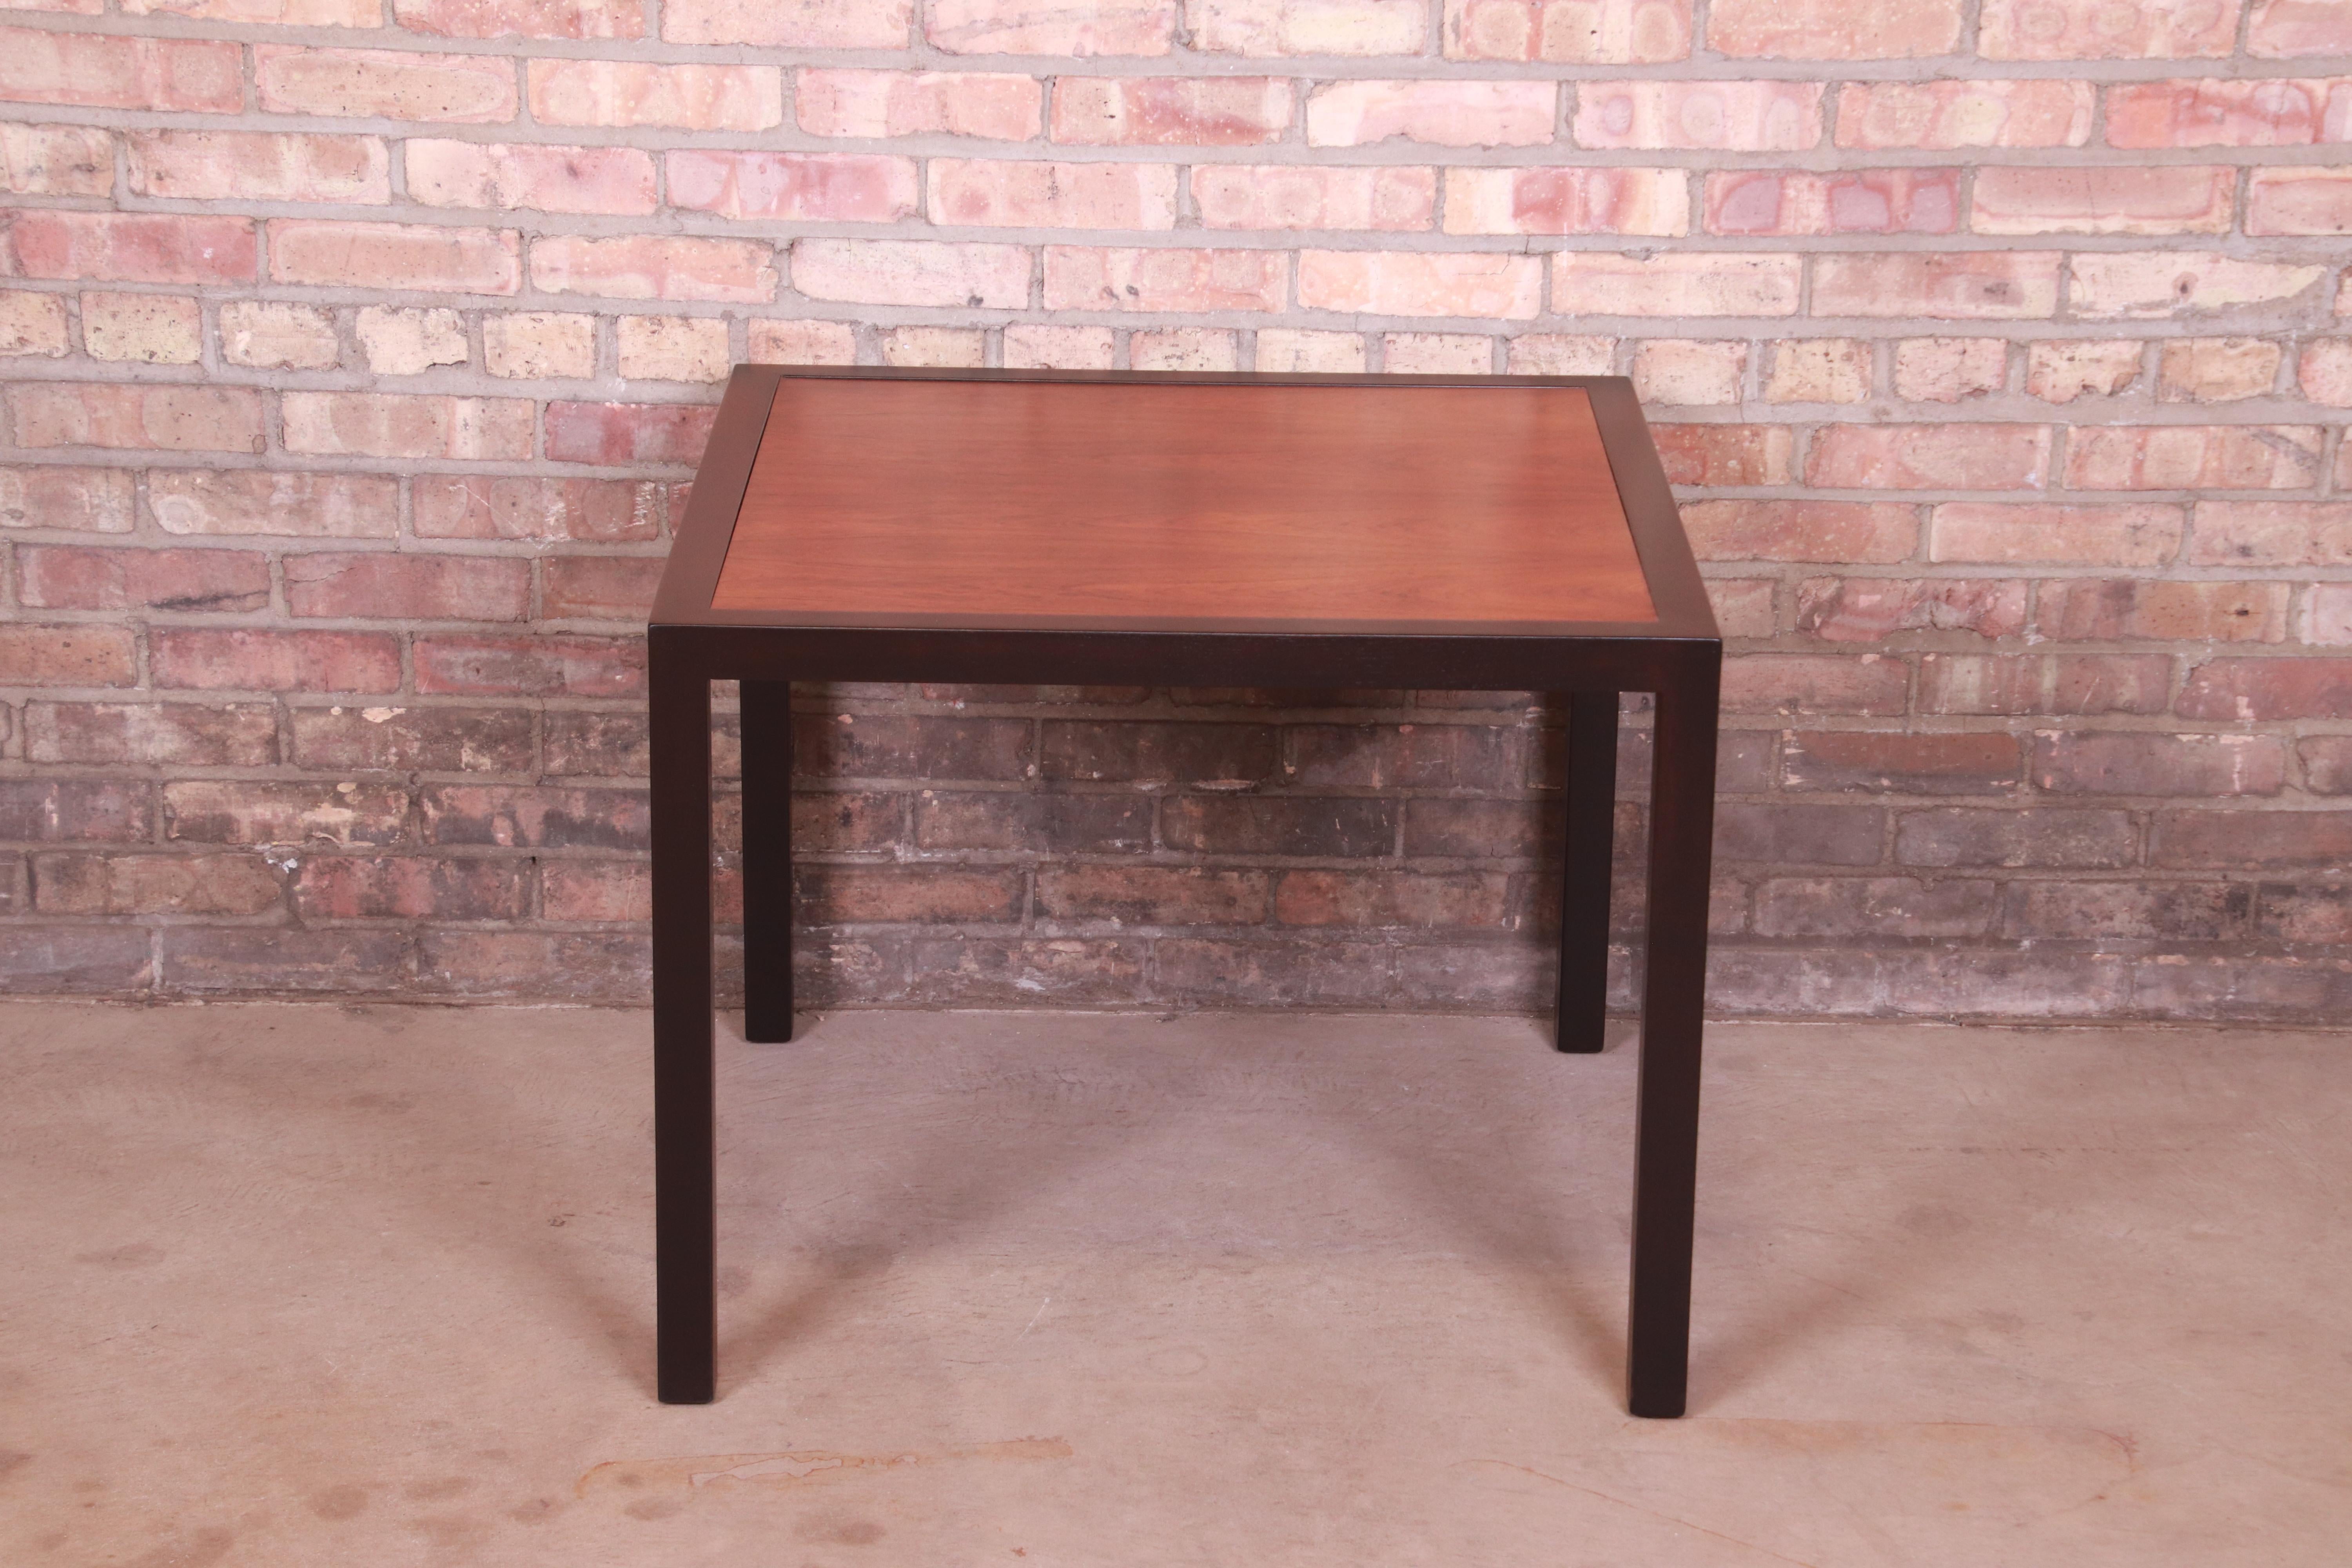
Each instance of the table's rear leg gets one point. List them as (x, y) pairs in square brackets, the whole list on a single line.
[(1582, 1012), (767, 719), (684, 1224), (1666, 1156)]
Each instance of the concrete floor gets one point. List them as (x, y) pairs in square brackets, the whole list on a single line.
[(299, 1286)]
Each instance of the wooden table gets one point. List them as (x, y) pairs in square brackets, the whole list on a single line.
[(1101, 528)]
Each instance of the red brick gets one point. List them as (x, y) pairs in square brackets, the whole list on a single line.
[(469, 89), (56, 160), (923, 894), (603, 890), (77, 500), (129, 247), (1601, 283), (1948, 370), (1833, 29), (1850, 906), (880, 746), (240, 811), (2173, 199), (60, 578), (614, 433), (388, 739), (2098, 29), (2308, 914), (259, 660), (75, 811), (278, 961), (804, 342), (1790, 833), (605, 745), (1040, 27), (394, 256), (70, 960), (252, 502), (655, 267), (1862, 201), (1377, 900), (2050, 836), (1961, 113), (281, 13), (995, 194), (2216, 370), (1929, 457), (1868, 609), (600, 587), (497, 176), (1153, 895), (1418, 283), (1801, 530), (2194, 457), (2283, 30), (395, 425), (2299, 201), (815, 25), (522, 19), (914, 272), (813, 187), (1264, 27), (2216, 112), (631, 93), (2090, 762), (2252, 840), (171, 418), (2039, 683), (243, 165), (81, 655), (1724, 454), (183, 75), (153, 885), (1221, 755), (2090, 535), (467, 506), (1580, 32), (1436, 113), (386, 584), (2327, 763), (1907, 764), (2143, 912), (1232, 195), (1080, 279), (1805, 683), (2110, 608), (1171, 111), (1980, 286), (1321, 827), (875, 103), (2273, 533), (1729, 116), (2246, 690), (966, 972), (380, 887), (2062, 371), (532, 817), (1567, 201), (531, 666), (2153, 284), (605, 966), (2323, 372), (1410, 756), (150, 734)]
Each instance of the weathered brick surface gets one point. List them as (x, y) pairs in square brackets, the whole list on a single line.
[(358, 358)]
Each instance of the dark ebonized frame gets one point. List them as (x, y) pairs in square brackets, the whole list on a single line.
[(1678, 658)]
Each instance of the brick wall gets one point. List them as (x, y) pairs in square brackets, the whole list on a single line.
[(359, 352)]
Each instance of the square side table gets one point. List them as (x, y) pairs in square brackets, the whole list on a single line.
[(1112, 528)]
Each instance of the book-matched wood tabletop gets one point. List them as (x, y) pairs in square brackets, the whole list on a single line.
[(1157, 503)]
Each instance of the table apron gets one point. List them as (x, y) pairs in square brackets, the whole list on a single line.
[(1163, 659)]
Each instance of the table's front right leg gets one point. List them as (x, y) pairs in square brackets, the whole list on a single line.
[(684, 1192)]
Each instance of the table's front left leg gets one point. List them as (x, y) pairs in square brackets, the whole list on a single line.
[(1674, 998), (767, 723), (685, 1229)]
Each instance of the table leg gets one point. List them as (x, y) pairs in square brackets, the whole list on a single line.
[(1583, 1011), (767, 719), (1666, 1150), (684, 1224)]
